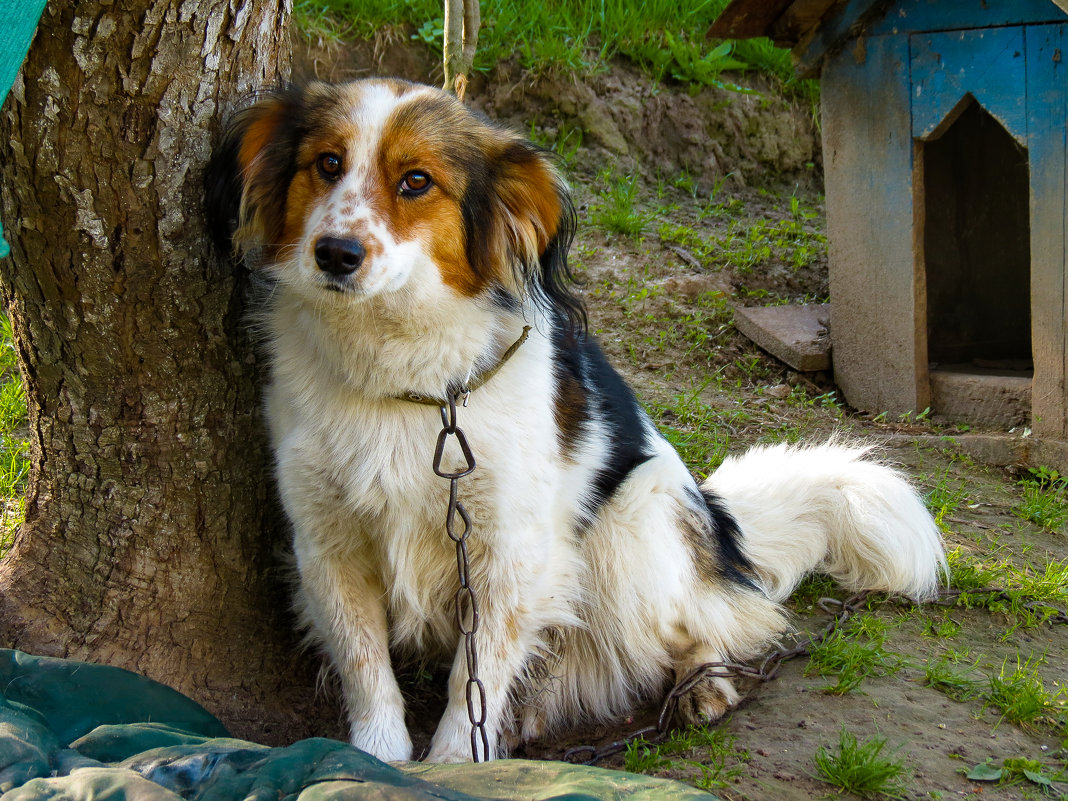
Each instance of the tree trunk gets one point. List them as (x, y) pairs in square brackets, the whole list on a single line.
[(150, 539)]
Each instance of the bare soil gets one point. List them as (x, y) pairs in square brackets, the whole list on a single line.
[(714, 165)]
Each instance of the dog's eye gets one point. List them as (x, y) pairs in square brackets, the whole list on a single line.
[(329, 165), (414, 183)]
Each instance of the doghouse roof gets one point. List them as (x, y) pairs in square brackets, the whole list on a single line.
[(815, 27)]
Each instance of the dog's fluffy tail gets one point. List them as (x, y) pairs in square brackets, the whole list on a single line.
[(828, 508)]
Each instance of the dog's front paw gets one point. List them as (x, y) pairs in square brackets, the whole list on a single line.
[(452, 743), (449, 755), (385, 739), (707, 701)]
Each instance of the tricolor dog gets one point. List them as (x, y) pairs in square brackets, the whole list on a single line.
[(409, 243)]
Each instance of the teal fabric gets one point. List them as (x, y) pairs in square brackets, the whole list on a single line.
[(18, 21), (71, 731)]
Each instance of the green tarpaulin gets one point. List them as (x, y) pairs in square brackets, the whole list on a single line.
[(71, 731)]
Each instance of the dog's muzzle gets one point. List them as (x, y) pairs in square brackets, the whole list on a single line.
[(339, 257)]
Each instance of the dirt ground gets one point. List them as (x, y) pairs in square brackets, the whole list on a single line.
[(726, 210)]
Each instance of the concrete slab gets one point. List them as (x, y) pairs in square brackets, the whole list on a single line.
[(999, 450), (794, 334), (981, 396)]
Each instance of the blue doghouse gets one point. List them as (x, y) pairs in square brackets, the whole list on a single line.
[(946, 159)]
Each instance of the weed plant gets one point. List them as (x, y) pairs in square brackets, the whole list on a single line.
[(565, 141), (944, 499), (618, 211), (860, 767), (14, 449), (1028, 597), (749, 245), (1017, 770), (811, 590), (666, 38), (852, 653), (1023, 699), (699, 431), (1045, 499), (958, 684), (709, 754)]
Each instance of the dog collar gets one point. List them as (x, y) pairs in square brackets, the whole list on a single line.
[(471, 384)]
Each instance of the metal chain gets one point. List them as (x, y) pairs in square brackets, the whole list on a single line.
[(475, 691), (769, 667)]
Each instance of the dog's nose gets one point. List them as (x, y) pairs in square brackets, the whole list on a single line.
[(339, 256)]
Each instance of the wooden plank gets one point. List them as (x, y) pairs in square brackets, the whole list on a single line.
[(986, 63), (914, 16), (847, 21), (800, 18), (745, 19), (1047, 117), (876, 321)]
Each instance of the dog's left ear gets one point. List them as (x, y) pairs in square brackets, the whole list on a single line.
[(531, 225)]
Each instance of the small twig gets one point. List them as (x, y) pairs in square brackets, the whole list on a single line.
[(972, 523), (684, 254)]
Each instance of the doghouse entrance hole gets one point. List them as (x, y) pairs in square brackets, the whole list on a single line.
[(977, 246)]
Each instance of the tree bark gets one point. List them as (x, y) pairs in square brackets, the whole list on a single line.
[(150, 539)]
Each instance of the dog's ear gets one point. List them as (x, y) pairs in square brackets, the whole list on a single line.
[(249, 173), (530, 222)]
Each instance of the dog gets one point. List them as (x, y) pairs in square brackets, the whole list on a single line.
[(417, 257)]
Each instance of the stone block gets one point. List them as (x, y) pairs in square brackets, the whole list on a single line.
[(977, 396), (794, 334)]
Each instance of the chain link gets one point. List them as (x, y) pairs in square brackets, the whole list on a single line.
[(769, 667), (467, 616)]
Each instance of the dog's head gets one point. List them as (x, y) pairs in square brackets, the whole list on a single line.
[(359, 189)]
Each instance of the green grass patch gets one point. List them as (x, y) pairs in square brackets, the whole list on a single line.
[(14, 449), (618, 210), (960, 684), (860, 767), (944, 499), (707, 755), (750, 245), (1045, 499), (1027, 596), (1017, 770), (699, 431), (853, 653), (666, 38), (1022, 698), (811, 589)]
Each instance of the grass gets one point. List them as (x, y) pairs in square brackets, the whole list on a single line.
[(618, 211), (860, 767), (1017, 770), (960, 685), (853, 653), (666, 38), (711, 759), (564, 139), (1026, 596), (753, 244), (790, 236), (811, 590), (1045, 499), (698, 431), (944, 499), (14, 449), (1022, 698)]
